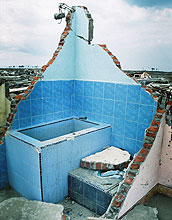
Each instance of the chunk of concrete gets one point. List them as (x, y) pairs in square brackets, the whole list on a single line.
[(23, 209), (142, 212), (109, 158)]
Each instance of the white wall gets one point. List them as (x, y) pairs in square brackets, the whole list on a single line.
[(165, 170), (148, 174), (79, 60)]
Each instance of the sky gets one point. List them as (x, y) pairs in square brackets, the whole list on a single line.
[(138, 32)]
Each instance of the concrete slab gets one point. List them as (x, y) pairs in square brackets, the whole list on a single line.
[(142, 212), (23, 209)]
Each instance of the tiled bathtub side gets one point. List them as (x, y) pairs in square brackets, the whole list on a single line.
[(128, 108), (49, 101), (3, 167)]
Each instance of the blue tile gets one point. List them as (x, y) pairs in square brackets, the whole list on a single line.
[(36, 107), (25, 122), (118, 126), (108, 107), (130, 145), (57, 104), (24, 109), (119, 109), (67, 103), (87, 114), (139, 145), (103, 199), (141, 131), (109, 90), (88, 88), (79, 87), (132, 112), (96, 117), (89, 192), (37, 92), (15, 124), (77, 185), (79, 101), (48, 88), (117, 141), (48, 105), (67, 87), (133, 93), (130, 129), (98, 89), (90, 205), (48, 117), (88, 104), (100, 210), (107, 120), (67, 114), (57, 88), (37, 120), (146, 98), (97, 105), (146, 114), (121, 92), (77, 197), (58, 115)]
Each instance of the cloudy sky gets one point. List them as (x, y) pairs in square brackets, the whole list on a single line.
[(138, 32)]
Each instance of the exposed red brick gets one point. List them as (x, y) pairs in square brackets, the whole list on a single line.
[(131, 174), (169, 103), (104, 166), (87, 164), (144, 87), (128, 180), (119, 196), (139, 159), (82, 164), (116, 204), (134, 166), (106, 49), (155, 123), (33, 82), (161, 111), (65, 33), (61, 44), (158, 116), (36, 77), (18, 97), (144, 151), (114, 58), (98, 166), (110, 53), (102, 45), (153, 129), (150, 134), (149, 90)]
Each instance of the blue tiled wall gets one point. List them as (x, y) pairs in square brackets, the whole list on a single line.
[(3, 167), (128, 108), (50, 100)]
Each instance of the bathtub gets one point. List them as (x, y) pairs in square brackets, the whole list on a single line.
[(40, 157)]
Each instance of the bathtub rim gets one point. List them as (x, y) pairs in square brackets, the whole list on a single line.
[(71, 136)]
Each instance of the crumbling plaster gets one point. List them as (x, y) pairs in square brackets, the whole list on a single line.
[(4, 107)]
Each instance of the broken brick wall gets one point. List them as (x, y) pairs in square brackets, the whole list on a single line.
[(148, 175)]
